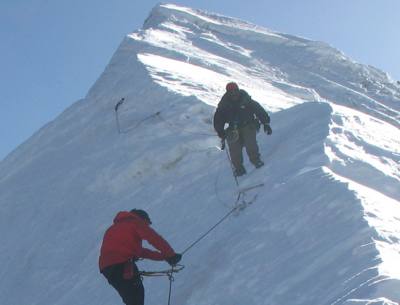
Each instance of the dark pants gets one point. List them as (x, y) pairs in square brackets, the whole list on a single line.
[(247, 137), (131, 290)]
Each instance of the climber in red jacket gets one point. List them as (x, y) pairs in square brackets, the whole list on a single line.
[(122, 246)]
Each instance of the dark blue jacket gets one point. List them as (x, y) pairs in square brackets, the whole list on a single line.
[(238, 113)]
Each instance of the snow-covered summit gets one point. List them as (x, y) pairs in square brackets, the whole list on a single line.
[(167, 12), (209, 46), (324, 228)]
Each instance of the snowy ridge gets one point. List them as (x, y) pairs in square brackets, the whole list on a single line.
[(202, 19), (324, 228), (252, 52)]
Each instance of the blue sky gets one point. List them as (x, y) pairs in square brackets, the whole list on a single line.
[(52, 51)]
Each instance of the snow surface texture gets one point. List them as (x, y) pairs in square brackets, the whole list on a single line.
[(325, 228)]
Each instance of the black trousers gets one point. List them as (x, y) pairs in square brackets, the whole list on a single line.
[(130, 290)]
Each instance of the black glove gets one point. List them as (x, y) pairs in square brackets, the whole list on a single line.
[(173, 260), (267, 129), (222, 144)]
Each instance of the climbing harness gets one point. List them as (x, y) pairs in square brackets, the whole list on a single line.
[(232, 135)]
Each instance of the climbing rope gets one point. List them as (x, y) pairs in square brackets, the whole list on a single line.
[(175, 128), (129, 129), (171, 126), (214, 226), (230, 162), (175, 269), (171, 279), (169, 273), (236, 206), (217, 178)]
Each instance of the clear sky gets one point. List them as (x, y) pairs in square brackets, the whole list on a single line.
[(52, 51)]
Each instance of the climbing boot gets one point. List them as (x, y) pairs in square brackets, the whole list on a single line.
[(258, 164), (240, 171)]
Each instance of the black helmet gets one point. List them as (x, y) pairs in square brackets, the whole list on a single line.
[(142, 214)]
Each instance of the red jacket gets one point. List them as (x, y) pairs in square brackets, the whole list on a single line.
[(123, 241)]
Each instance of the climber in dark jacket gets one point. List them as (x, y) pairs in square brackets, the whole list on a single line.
[(244, 116), (122, 246)]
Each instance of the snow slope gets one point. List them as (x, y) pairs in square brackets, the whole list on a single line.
[(324, 228)]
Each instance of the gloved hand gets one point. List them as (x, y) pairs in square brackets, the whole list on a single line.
[(222, 135), (222, 144), (173, 260), (267, 129)]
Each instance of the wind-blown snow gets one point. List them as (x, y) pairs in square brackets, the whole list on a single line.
[(324, 228)]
